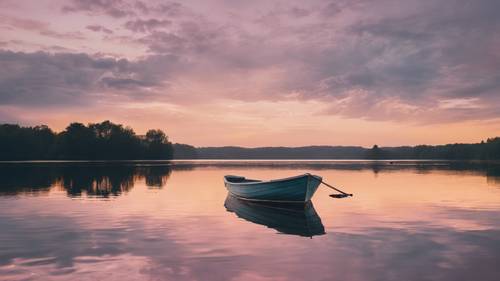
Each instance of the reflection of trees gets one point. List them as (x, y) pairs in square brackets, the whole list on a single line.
[(115, 178), (493, 175), (27, 179), (97, 181), (77, 179), (155, 176)]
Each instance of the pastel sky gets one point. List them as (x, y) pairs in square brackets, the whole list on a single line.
[(257, 73)]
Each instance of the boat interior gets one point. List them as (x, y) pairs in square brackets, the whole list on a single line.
[(238, 179)]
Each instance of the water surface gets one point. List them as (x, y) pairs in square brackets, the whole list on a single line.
[(408, 220)]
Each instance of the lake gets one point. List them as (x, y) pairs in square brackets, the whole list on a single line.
[(407, 220)]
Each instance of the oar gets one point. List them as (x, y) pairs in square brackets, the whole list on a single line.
[(342, 193)]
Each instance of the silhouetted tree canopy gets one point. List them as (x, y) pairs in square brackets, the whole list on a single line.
[(157, 144), (105, 140)]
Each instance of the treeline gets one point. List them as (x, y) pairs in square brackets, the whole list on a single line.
[(96, 141), (306, 152), (109, 141), (488, 150), (485, 150)]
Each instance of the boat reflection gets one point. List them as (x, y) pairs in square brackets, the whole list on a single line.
[(294, 219)]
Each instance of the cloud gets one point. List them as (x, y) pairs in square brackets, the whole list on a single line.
[(396, 64), (362, 59), (162, 8), (299, 12), (99, 28), (122, 8), (41, 27), (113, 8), (331, 9), (35, 79), (146, 25)]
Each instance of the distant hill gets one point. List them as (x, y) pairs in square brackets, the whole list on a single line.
[(185, 151), (305, 152), (489, 150)]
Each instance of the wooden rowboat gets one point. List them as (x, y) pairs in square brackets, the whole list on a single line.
[(298, 189)]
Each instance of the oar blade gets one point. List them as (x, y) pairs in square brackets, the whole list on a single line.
[(340, 195)]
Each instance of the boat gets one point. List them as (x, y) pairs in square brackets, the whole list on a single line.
[(298, 189), (292, 219)]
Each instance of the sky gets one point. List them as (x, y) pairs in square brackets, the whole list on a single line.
[(257, 73)]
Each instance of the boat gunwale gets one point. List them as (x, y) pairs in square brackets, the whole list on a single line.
[(270, 181)]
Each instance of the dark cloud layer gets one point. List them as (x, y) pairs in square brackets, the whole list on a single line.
[(388, 65), (44, 79), (386, 60)]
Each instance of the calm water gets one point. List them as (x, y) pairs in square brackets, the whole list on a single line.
[(173, 221)]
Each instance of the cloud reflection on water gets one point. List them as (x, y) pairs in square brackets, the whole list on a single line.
[(429, 253)]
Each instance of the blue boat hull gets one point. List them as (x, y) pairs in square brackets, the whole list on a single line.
[(297, 189)]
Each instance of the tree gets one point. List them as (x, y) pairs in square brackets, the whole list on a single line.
[(77, 142), (24, 143), (375, 153), (157, 145), (113, 141), (105, 140), (156, 136)]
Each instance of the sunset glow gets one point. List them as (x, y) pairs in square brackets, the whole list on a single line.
[(259, 73)]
